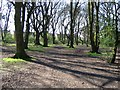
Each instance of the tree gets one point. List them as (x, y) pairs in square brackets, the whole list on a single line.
[(97, 41), (5, 16), (72, 24), (45, 7), (116, 33), (55, 18), (29, 12), (20, 52), (94, 40)]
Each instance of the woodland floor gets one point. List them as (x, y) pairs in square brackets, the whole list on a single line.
[(57, 67)]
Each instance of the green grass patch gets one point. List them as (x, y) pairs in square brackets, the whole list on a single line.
[(36, 48), (104, 55), (12, 60), (93, 54), (9, 44)]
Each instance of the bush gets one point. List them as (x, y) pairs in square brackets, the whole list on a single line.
[(9, 38), (50, 39), (31, 39)]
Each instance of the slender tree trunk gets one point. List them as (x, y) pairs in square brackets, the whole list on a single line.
[(37, 42), (91, 25), (87, 34), (23, 15), (45, 39), (28, 25), (64, 35), (27, 33), (20, 52), (91, 13), (71, 26), (6, 24), (116, 37), (45, 36), (76, 38), (97, 29), (53, 35), (68, 39)]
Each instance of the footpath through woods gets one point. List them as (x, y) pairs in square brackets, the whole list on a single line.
[(57, 67)]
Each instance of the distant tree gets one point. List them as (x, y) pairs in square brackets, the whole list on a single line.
[(73, 14), (94, 40), (55, 17), (116, 32), (45, 8), (5, 16), (36, 22), (71, 25), (30, 10)]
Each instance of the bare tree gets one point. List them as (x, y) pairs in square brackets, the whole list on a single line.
[(116, 32), (6, 20), (20, 52), (30, 10)]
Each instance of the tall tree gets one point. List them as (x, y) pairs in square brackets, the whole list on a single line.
[(6, 18), (20, 52), (94, 40), (55, 18), (45, 7), (29, 12), (73, 15), (116, 33), (97, 41), (71, 26)]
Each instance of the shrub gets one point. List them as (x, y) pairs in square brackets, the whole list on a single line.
[(9, 38)]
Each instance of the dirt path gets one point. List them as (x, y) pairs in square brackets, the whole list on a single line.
[(60, 68)]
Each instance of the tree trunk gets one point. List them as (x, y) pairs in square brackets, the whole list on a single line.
[(28, 25), (45, 39), (87, 34), (23, 15), (37, 42), (45, 35), (97, 29), (20, 52), (116, 37), (6, 24), (27, 33), (68, 39), (53, 35), (71, 26), (45, 23), (76, 39), (91, 11)]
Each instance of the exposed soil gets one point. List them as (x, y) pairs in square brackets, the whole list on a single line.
[(57, 67)]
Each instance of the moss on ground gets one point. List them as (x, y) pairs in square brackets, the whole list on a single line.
[(12, 60)]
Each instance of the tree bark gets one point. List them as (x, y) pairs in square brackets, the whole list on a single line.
[(116, 37), (37, 42), (20, 52), (53, 35), (94, 43), (28, 26), (91, 11), (71, 26), (97, 29)]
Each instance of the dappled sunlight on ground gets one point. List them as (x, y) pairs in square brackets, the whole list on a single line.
[(61, 68)]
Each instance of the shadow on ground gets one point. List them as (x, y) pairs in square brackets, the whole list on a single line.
[(85, 69)]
